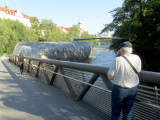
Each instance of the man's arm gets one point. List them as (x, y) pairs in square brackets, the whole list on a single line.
[(110, 77), (111, 70)]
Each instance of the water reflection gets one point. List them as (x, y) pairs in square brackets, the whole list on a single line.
[(101, 56)]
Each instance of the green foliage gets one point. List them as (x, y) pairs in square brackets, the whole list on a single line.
[(7, 38), (12, 32), (34, 23), (49, 31), (94, 42), (74, 32), (138, 22), (87, 35)]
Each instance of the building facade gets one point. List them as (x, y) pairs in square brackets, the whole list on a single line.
[(6, 13), (66, 30)]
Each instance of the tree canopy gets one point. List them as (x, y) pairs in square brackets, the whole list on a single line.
[(12, 32), (138, 21)]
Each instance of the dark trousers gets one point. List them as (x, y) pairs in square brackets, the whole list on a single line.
[(21, 68), (122, 99)]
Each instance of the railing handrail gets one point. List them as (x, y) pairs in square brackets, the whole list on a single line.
[(145, 76), (108, 38)]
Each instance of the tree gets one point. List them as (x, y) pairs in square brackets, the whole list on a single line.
[(138, 22), (75, 33), (12, 32), (7, 38), (34, 23), (49, 31)]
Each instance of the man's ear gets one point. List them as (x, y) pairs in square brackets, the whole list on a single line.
[(122, 50)]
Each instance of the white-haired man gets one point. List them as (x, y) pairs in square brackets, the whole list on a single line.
[(125, 81)]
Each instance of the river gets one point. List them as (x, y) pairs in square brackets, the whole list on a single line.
[(101, 56)]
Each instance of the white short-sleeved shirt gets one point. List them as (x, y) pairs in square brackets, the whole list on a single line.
[(123, 73)]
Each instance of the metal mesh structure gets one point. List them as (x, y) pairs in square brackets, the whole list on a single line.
[(99, 99), (60, 84)]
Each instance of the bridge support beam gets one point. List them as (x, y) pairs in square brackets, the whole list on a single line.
[(54, 75), (107, 82), (87, 87), (70, 88)]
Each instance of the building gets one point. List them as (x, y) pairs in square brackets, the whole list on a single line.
[(66, 30), (7, 13)]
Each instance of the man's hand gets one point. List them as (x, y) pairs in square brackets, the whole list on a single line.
[(110, 77)]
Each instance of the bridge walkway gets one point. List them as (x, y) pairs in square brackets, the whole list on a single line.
[(24, 97)]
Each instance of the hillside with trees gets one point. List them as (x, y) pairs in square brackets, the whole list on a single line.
[(12, 32), (138, 21)]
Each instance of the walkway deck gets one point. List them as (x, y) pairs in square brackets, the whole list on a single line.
[(24, 97)]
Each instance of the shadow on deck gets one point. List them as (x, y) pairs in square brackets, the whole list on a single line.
[(24, 97)]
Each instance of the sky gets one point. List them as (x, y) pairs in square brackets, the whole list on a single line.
[(93, 14)]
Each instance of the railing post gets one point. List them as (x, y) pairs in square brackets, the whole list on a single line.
[(54, 75), (9, 59), (15, 60), (29, 65), (38, 69), (45, 74)]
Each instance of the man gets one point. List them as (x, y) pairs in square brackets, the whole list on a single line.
[(125, 81)]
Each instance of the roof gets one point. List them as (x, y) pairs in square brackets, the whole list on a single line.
[(13, 12), (63, 29)]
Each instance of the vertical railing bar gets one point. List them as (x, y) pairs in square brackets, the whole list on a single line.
[(54, 75), (106, 81), (9, 59), (15, 60), (29, 62), (46, 76), (38, 69), (87, 87), (73, 94)]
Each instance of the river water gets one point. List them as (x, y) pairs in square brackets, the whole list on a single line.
[(101, 56)]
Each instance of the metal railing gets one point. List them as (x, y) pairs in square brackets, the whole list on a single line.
[(89, 84), (99, 38)]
